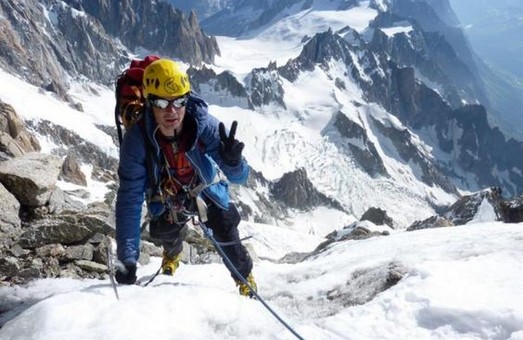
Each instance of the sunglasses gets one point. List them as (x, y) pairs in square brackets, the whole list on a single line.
[(164, 103)]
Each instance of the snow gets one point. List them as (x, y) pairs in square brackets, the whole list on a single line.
[(240, 56), (282, 40), (485, 213), (391, 31), (458, 283)]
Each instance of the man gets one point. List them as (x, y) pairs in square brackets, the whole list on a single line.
[(177, 147)]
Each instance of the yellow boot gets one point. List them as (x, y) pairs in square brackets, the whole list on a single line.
[(244, 289), (170, 264)]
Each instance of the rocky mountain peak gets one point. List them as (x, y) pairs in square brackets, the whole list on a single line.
[(320, 49), (158, 27), (48, 42)]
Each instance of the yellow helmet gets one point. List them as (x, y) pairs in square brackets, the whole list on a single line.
[(163, 78)]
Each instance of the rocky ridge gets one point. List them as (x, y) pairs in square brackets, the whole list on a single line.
[(49, 42)]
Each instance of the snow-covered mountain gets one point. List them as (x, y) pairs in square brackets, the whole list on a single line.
[(366, 96), (431, 77)]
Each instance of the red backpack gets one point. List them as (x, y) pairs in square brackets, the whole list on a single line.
[(129, 95)]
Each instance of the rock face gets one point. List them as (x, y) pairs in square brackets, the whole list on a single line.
[(71, 171), (15, 139), (296, 191), (31, 177), (377, 216), (361, 148), (512, 209), (265, 87), (9, 208), (48, 41), (154, 25), (221, 89), (485, 205), (44, 48), (436, 50)]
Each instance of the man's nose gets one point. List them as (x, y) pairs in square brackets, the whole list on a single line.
[(171, 109)]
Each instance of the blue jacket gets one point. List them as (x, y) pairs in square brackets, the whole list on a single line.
[(138, 180)]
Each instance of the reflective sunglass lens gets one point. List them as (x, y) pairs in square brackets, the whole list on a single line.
[(164, 103), (161, 103), (180, 102)]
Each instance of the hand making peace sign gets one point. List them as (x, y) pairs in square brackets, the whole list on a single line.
[(230, 148)]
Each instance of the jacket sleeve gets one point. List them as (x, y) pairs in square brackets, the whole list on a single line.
[(210, 135), (132, 172)]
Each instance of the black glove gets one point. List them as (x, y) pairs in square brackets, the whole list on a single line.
[(230, 148), (126, 275)]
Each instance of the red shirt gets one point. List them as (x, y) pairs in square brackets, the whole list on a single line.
[(179, 166)]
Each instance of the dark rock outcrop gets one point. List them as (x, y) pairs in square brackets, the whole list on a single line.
[(154, 25), (467, 208), (71, 171), (296, 191), (512, 209), (377, 216), (361, 148), (15, 139), (265, 86), (266, 209), (219, 89)]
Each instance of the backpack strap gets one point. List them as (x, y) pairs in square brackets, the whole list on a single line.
[(150, 161), (117, 120), (118, 125)]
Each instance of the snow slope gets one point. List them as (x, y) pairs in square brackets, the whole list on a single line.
[(458, 283)]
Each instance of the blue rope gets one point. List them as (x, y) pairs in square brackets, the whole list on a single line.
[(208, 233)]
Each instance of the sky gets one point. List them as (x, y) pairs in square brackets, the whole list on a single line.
[(457, 283), (484, 22)]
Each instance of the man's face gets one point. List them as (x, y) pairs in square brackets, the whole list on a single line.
[(169, 113)]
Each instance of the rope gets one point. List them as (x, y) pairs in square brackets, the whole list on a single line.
[(154, 277), (232, 243), (208, 233)]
